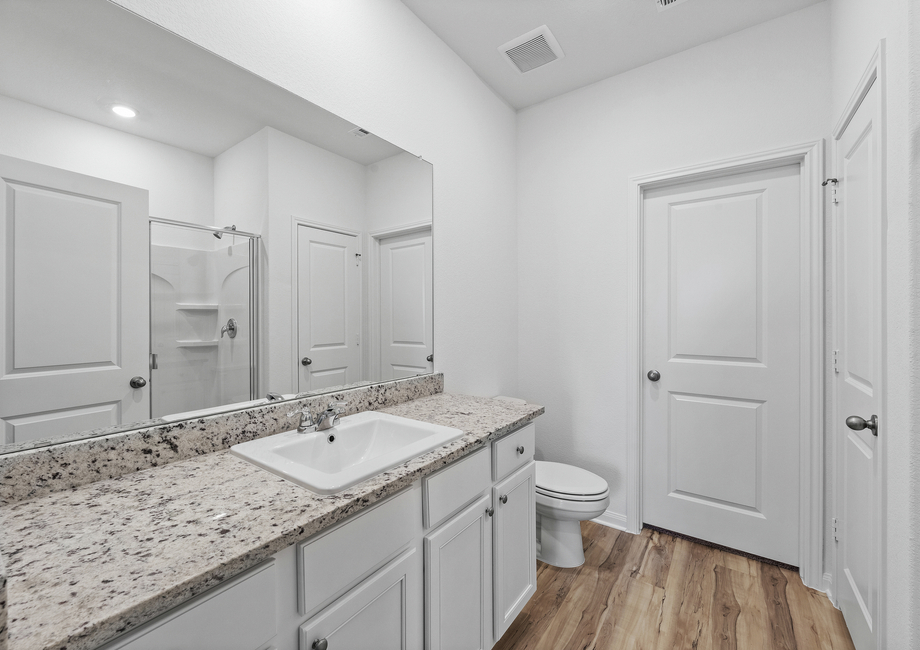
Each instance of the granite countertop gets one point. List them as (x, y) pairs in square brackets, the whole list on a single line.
[(87, 564)]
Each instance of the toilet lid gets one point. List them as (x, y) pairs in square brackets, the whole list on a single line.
[(568, 481)]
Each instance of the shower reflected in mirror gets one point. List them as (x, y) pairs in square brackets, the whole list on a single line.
[(203, 314)]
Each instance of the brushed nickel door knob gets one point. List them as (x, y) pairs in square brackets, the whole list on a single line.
[(138, 382), (858, 424), (654, 375), (306, 361)]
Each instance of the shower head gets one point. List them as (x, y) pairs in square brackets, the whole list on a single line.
[(220, 234)]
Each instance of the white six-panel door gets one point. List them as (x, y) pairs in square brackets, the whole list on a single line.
[(858, 324), (73, 250), (721, 326), (328, 281), (405, 305)]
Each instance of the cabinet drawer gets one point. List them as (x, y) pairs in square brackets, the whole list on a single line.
[(506, 452), (238, 614), (334, 562), (453, 487)]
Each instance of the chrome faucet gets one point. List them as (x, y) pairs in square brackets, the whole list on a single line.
[(330, 417), (306, 420)]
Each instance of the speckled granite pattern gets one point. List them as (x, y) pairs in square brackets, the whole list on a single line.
[(88, 564), (2, 604), (36, 472)]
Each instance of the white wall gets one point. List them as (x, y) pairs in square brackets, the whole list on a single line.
[(374, 63), (759, 89), (398, 192), (312, 184), (241, 185), (856, 28), (180, 182)]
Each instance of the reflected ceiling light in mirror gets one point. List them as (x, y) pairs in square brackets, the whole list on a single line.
[(124, 111)]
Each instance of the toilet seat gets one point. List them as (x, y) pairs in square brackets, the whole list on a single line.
[(569, 483)]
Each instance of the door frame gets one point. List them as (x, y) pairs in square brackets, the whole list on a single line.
[(874, 72), (296, 222), (810, 157), (372, 271)]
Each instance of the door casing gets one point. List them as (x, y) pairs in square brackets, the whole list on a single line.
[(810, 157)]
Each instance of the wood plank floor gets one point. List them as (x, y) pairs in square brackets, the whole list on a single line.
[(658, 592)]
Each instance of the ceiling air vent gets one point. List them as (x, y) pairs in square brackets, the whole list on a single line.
[(667, 4), (358, 132), (533, 49)]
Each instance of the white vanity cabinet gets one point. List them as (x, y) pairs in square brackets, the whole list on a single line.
[(481, 563), (447, 563)]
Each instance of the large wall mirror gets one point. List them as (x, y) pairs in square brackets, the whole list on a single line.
[(179, 236)]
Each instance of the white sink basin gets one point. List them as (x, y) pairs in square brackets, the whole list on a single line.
[(362, 446)]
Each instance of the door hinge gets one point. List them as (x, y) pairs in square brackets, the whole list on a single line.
[(836, 538), (357, 259), (153, 361), (834, 182), (836, 355), (357, 339)]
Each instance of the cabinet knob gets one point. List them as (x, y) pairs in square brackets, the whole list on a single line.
[(520, 449), (503, 498), (320, 644), (490, 511)]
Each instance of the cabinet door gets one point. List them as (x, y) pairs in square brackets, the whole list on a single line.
[(458, 571), (381, 613), (515, 546)]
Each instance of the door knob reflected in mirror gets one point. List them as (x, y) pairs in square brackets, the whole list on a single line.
[(430, 358), (306, 361), (654, 375), (138, 382), (858, 424)]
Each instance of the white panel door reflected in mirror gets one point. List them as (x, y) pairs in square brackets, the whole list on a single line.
[(210, 145)]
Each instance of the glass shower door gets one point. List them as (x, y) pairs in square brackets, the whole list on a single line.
[(202, 317)]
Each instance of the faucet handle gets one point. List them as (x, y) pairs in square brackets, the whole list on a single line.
[(304, 413), (338, 407)]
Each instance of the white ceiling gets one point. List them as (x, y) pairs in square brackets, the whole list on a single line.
[(79, 58), (600, 38)]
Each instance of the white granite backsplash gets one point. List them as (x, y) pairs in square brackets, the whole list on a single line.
[(32, 473)]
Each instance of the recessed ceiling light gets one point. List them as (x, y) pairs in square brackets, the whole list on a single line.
[(124, 111)]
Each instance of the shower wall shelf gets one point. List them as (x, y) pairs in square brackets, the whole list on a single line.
[(196, 306), (196, 344)]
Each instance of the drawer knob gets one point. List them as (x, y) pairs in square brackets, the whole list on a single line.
[(520, 449), (503, 498), (490, 511), (320, 644)]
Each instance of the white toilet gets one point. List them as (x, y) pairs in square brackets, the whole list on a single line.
[(566, 495)]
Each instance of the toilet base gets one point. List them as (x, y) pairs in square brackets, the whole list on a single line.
[(560, 543)]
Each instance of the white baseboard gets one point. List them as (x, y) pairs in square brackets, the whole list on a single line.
[(828, 585), (612, 519)]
